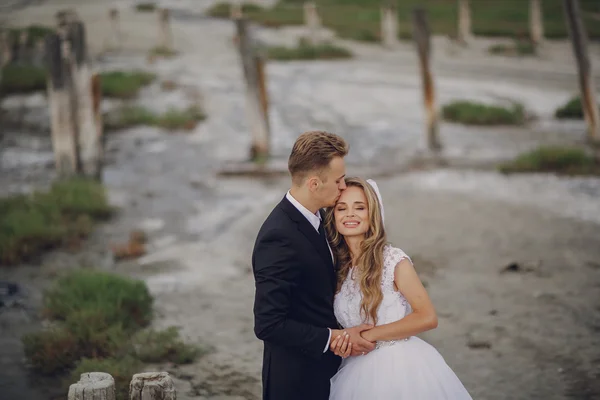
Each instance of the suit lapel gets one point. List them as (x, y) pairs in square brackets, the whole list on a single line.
[(308, 230)]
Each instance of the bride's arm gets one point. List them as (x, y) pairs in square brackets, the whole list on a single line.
[(423, 317)]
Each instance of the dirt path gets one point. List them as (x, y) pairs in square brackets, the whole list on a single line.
[(541, 324)]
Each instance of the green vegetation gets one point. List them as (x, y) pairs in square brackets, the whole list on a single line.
[(97, 325), (560, 160), (161, 51), (152, 347), (101, 299), (223, 9), (30, 224), (145, 7), (518, 48), (124, 84), (572, 110), (360, 19), (34, 34), (172, 119), (307, 51), (470, 113), (17, 78)]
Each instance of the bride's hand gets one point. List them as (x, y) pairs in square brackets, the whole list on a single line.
[(340, 346)]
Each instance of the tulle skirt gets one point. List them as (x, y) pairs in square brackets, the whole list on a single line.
[(406, 370)]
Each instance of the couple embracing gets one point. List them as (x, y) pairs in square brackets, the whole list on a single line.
[(336, 306)]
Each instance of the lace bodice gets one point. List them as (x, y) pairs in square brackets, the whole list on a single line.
[(393, 306)]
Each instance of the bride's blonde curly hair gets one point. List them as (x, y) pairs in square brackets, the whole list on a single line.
[(369, 265)]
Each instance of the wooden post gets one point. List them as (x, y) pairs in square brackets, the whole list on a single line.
[(255, 85), (5, 51), (152, 386), (262, 87), (579, 40), (59, 95), (536, 22), (37, 58), (389, 24), (22, 52), (312, 22), (421, 35), (116, 35), (88, 135), (93, 386), (165, 40), (464, 22), (235, 10)]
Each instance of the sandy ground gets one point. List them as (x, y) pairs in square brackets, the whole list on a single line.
[(531, 334)]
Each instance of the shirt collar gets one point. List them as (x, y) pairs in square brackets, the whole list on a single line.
[(314, 219)]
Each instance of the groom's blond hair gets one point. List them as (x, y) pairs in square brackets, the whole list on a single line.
[(312, 153)]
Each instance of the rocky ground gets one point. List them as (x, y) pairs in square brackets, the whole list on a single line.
[(528, 332)]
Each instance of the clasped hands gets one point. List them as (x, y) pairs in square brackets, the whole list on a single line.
[(349, 342)]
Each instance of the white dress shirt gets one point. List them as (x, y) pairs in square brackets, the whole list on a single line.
[(315, 220)]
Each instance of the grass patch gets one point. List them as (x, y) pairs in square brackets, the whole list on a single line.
[(223, 9), (306, 51), (145, 7), (99, 299), (124, 85), (30, 224), (560, 160), (470, 113), (35, 33), (22, 79), (172, 119), (572, 110), (98, 320), (360, 19), (156, 346), (518, 48), (162, 51)]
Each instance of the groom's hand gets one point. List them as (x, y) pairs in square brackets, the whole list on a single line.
[(359, 345)]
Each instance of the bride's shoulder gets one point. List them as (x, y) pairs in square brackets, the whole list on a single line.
[(393, 255)]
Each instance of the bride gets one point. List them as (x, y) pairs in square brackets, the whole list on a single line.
[(378, 285)]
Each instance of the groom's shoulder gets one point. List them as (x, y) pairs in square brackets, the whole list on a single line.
[(276, 220)]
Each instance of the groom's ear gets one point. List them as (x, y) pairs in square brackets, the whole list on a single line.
[(313, 183)]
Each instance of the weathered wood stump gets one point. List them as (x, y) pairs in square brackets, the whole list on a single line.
[(93, 386), (152, 386)]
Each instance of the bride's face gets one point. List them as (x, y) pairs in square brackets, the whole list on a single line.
[(351, 212)]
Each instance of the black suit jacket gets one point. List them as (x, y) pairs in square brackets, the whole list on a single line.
[(293, 306)]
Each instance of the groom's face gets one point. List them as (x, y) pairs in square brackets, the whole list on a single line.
[(331, 182)]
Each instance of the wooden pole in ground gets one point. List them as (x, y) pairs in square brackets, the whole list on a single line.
[(389, 24), (235, 10), (37, 58), (152, 386), (421, 36), (98, 120), (93, 386), (579, 40), (62, 122), (165, 40), (5, 51), (263, 94), (116, 36), (464, 22), (88, 135), (255, 93), (312, 22), (536, 22), (22, 51)]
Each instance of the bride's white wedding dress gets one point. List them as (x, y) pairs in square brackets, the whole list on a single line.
[(409, 369)]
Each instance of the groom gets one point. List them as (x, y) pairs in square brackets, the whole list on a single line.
[(295, 277)]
